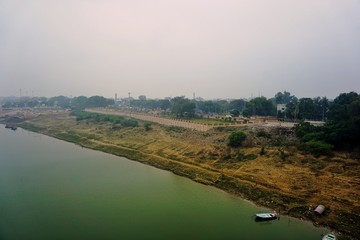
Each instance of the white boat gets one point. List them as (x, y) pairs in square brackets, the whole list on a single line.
[(329, 236), (265, 216)]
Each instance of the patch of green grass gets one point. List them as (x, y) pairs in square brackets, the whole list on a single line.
[(175, 129), (250, 156)]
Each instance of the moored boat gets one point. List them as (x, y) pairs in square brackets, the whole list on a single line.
[(11, 126), (329, 236), (265, 216)]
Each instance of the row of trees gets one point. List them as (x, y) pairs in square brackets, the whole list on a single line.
[(80, 102), (295, 109), (303, 108)]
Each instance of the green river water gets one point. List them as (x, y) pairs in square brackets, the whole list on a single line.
[(51, 189)]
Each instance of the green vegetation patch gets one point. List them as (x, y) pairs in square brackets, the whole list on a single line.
[(175, 129), (318, 148), (236, 138), (101, 118)]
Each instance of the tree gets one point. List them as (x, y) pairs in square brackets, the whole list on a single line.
[(207, 107), (260, 106), (306, 108), (341, 130), (321, 107), (284, 98), (236, 138), (182, 107), (164, 104), (59, 101), (237, 104), (98, 101), (79, 102), (142, 98), (343, 126), (235, 113), (292, 109)]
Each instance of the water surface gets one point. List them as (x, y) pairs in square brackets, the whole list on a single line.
[(50, 189)]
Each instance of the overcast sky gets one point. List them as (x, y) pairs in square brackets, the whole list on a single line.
[(162, 48)]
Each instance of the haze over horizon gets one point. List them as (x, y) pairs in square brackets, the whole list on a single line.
[(159, 48)]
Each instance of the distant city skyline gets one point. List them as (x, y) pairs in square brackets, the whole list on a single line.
[(217, 49)]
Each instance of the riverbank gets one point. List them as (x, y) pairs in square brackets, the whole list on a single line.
[(283, 179)]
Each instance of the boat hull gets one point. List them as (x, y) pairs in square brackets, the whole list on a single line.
[(329, 236), (265, 217)]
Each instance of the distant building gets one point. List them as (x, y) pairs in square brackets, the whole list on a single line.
[(281, 108)]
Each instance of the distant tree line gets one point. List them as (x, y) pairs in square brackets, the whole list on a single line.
[(80, 102), (295, 109), (342, 115)]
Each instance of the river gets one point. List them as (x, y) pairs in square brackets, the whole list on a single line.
[(51, 189)]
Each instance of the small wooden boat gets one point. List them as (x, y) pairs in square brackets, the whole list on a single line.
[(329, 236), (265, 216), (11, 126)]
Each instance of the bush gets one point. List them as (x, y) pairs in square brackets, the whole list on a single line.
[(104, 118), (251, 156), (175, 129), (263, 133), (318, 147), (147, 126), (129, 123), (236, 138), (262, 151)]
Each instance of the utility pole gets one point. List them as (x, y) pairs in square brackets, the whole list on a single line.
[(129, 104)]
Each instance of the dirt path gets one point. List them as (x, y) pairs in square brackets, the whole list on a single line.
[(183, 123), (157, 119)]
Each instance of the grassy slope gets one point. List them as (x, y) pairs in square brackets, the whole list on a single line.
[(293, 184)]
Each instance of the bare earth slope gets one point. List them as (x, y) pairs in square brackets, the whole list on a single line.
[(283, 179)]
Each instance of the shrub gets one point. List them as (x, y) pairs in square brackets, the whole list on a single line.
[(129, 123), (147, 126), (236, 138), (282, 154), (175, 129), (251, 156), (262, 151), (318, 147), (263, 133)]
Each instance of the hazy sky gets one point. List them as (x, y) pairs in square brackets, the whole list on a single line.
[(161, 48)]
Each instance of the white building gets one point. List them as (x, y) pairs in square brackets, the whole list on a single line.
[(281, 108)]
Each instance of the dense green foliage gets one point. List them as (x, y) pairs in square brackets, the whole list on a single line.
[(343, 126), (308, 108), (284, 98), (260, 106), (236, 138), (182, 107), (96, 117), (342, 129), (318, 147), (59, 101), (80, 102)]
